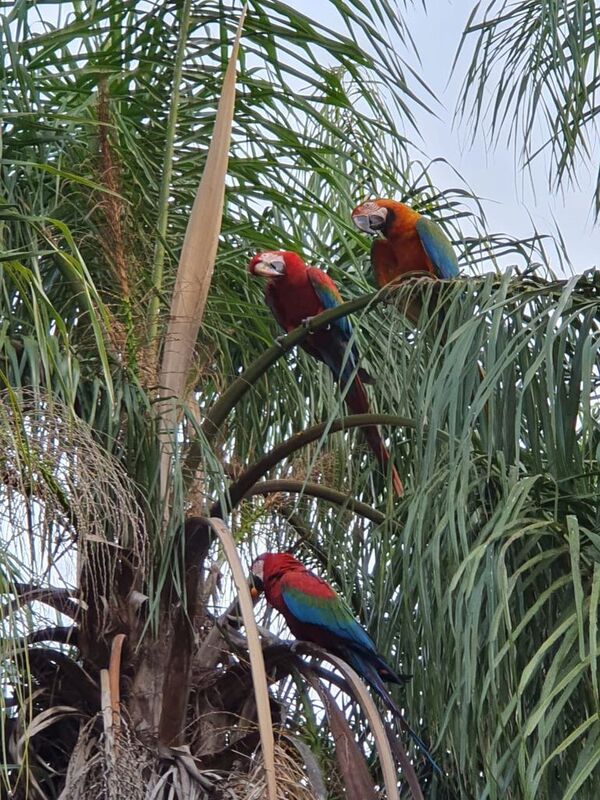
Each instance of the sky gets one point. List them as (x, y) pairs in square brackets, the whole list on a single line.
[(511, 206)]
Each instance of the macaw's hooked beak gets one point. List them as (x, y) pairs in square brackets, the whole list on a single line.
[(256, 587), (270, 267), (265, 270), (371, 220)]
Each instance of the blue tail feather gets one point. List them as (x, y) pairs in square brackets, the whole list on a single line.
[(368, 671)]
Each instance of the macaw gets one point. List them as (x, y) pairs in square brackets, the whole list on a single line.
[(294, 293), (315, 613), (410, 241)]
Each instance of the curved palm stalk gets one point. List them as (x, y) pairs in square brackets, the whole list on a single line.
[(317, 490), (357, 781), (368, 706), (114, 675), (238, 388), (249, 477), (257, 664)]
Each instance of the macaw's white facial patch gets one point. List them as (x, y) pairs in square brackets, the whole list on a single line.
[(369, 218), (257, 568), (366, 209), (273, 261)]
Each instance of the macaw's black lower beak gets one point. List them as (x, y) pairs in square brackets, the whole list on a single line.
[(376, 222), (370, 223), (256, 587)]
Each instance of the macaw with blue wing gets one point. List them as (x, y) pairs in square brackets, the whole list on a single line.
[(296, 292), (407, 242), (315, 613)]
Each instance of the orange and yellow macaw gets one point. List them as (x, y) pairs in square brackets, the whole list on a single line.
[(407, 241)]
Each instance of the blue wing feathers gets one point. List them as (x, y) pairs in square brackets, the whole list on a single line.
[(339, 361), (330, 615), (330, 297), (438, 248)]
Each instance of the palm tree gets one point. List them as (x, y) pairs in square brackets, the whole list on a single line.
[(131, 666), (533, 76)]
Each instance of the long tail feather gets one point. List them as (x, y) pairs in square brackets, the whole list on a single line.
[(369, 671), (406, 727), (358, 403), (332, 351)]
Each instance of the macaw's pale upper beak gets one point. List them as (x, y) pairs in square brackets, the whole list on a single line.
[(266, 270), (270, 265), (362, 223), (372, 222)]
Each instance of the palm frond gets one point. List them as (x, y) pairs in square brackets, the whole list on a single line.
[(534, 75)]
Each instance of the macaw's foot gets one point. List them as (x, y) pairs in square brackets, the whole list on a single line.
[(307, 320)]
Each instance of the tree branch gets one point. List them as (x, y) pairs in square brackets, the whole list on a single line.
[(256, 471), (63, 634), (238, 388), (317, 490), (57, 598)]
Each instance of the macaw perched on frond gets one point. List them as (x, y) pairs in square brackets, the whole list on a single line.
[(315, 613), (409, 242), (294, 293)]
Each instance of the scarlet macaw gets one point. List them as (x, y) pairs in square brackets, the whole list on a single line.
[(294, 293), (315, 613), (410, 241)]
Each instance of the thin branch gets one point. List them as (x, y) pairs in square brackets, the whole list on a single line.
[(256, 471), (317, 490), (57, 598)]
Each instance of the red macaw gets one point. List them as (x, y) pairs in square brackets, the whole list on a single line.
[(315, 613), (295, 293), (410, 241)]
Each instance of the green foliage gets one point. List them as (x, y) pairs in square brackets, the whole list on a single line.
[(482, 582)]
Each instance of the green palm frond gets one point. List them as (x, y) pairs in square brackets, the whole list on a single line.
[(534, 75)]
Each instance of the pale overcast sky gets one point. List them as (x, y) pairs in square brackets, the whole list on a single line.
[(492, 175)]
